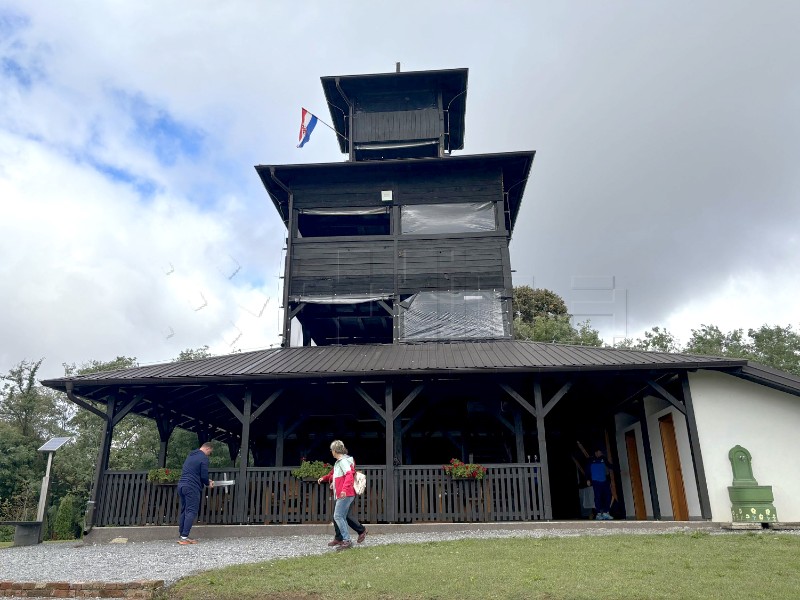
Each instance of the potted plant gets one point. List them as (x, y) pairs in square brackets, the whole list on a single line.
[(311, 470), (163, 476), (460, 470)]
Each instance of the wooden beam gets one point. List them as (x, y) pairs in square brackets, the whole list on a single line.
[(404, 404), (524, 403), (102, 459), (694, 445), (289, 430), (244, 458), (375, 406), (519, 436), (505, 422), (558, 396), (82, 403), (297, 309), (280, 437), (232, 408), (540, 431), (266, 404), (391, 509), (121, 414), (648, 461), (667, 396), (386, 307)]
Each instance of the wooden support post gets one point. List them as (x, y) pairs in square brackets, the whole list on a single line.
[(165, 427), (279, 440), (545, 470), (648, 461), (244, 458), (694, 445), (102, 458), (233, 450), (519, 435), (391, 510), (398, 440)]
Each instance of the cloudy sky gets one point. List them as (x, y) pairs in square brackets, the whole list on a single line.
[(664, 190)]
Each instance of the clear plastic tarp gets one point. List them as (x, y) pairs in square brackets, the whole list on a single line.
[(343, 299), (453, 316), (447, 218), (340, 211)]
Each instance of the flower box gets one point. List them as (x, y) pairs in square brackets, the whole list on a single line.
[(460, 470), (311, 470), (164, 476)]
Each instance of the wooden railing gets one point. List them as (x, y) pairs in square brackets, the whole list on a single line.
[(507, 493), (510, 492)]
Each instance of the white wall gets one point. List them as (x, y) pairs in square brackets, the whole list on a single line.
[(731, 411)]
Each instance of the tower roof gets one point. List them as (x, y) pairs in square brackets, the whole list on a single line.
[(515, 167), (341, 89)]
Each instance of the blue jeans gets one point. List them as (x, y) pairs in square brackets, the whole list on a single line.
[(340, 516), (190, 504), (602, 495)]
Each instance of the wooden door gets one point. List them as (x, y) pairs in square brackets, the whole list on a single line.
[(680, 511), (636, 476)]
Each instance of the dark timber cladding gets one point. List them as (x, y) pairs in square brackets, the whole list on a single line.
[(384, 115), (381, 231)]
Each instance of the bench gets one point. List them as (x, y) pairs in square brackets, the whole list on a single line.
[(26, 533)]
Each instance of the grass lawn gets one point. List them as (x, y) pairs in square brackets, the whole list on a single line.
[(698, 565)]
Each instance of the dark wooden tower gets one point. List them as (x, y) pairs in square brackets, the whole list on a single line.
[(403, 242)]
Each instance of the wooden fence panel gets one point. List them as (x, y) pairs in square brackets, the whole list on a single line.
[(423, 493)]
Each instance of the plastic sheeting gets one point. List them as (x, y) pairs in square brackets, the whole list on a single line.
[(350, 299), (453, 316), (447, 218), (336, 212)]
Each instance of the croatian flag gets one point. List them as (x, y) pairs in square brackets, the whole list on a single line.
[(307, 124)]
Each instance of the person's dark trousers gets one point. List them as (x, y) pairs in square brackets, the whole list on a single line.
[(602, 496), (353, 523), (190, 504)]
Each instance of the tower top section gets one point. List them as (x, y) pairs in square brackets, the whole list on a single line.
[(412, 114)]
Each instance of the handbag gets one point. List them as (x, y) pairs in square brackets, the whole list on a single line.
[(360, 483)]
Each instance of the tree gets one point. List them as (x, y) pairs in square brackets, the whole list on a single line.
[(530, 304), (777, 347), (32, 410), (541, 316), (655, 340), (194, 353), (770, 345), (711, 341)]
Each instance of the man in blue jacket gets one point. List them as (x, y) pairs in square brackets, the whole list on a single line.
[(193, 477), (599, 473)]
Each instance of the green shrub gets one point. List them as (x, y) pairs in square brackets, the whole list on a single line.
[(66, 525)]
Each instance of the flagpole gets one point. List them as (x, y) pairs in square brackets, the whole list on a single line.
[(331, 128)]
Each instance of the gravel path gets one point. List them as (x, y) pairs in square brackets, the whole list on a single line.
[(169, 561)]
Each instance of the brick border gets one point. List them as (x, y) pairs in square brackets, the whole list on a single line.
[(84, 589)]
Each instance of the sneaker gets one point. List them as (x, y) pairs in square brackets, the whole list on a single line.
[(344, 545), (335, 542), (609, 517), (361, 536), (599, 517), (184, 541)]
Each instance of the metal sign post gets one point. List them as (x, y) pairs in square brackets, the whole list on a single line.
[(50, 447)]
